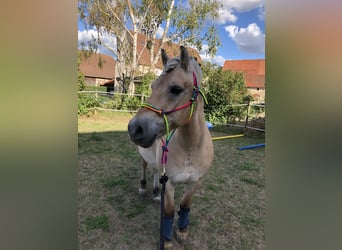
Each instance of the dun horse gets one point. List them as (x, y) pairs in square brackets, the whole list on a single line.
[(172, 122)]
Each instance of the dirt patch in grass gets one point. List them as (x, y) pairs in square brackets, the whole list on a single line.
[(227, 213)]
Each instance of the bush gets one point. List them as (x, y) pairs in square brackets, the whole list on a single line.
[(130, 103), (144, 87), (223, 88), (80, 81), (94, 88), (86, 103), (114, 103)]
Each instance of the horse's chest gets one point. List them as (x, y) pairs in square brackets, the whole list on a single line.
[(185, 169), (187, 175)]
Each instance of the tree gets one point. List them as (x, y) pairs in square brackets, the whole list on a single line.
[(80, 75), (223, 88), (144, 87), (190, 24)]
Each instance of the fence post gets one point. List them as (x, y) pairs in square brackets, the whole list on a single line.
[(248, 111), (96, 97)]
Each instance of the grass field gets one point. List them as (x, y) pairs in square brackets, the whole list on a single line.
[(227, 213)]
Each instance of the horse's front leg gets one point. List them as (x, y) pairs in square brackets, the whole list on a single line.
[(142, 189), (184, 211), (156, 184), (169, 214)]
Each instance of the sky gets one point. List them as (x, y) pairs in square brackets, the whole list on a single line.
[(241, 28)]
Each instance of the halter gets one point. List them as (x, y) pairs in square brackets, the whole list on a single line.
[(191, 103)]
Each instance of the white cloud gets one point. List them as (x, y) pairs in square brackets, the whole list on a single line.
[(261, 11), (160, 32), (249, 39), (226, 15), (110, 41), (206, 57), (242, 5), (218, 60), (87, 35), (229, 7)]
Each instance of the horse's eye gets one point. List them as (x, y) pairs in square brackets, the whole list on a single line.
[(175, 90)]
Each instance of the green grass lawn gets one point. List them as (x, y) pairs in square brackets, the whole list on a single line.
[(104, 121), (227, 213)]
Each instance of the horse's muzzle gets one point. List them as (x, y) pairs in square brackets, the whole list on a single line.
[(143, 131)]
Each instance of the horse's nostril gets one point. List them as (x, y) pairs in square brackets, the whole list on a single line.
[(139, 130), (136, 130)]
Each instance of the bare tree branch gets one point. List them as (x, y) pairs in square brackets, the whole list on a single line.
[(117, 18), (167, 25)]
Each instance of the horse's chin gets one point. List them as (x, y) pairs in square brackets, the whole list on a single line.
[(147, 143), (152, 141)]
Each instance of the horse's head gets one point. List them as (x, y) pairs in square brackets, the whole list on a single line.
[(171, 101)]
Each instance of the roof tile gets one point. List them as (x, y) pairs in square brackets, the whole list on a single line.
[(90, 66), (171, 49), (253, 71)]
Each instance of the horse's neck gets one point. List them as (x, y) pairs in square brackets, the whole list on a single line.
[(191, 134)]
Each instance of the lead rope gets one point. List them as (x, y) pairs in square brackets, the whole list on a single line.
[(163, 179)]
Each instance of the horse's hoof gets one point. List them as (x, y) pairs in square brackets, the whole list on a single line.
[(142, 191), (156, 199), (181, 235), (168, 244)]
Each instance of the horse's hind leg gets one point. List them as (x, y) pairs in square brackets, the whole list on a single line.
[(184, 211), (142, 189)]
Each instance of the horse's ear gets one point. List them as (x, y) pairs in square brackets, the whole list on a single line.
[(165, 58), (184, 58)]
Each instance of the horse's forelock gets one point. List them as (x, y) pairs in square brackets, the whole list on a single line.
[(174, 62), (171, 64)]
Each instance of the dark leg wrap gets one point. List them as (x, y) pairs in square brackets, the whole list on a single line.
[(168, 221), (156, 191), (183, 219), (143, 183)]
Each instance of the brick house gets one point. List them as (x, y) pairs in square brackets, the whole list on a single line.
[(254, 75), (171, 49), (98, 69)]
